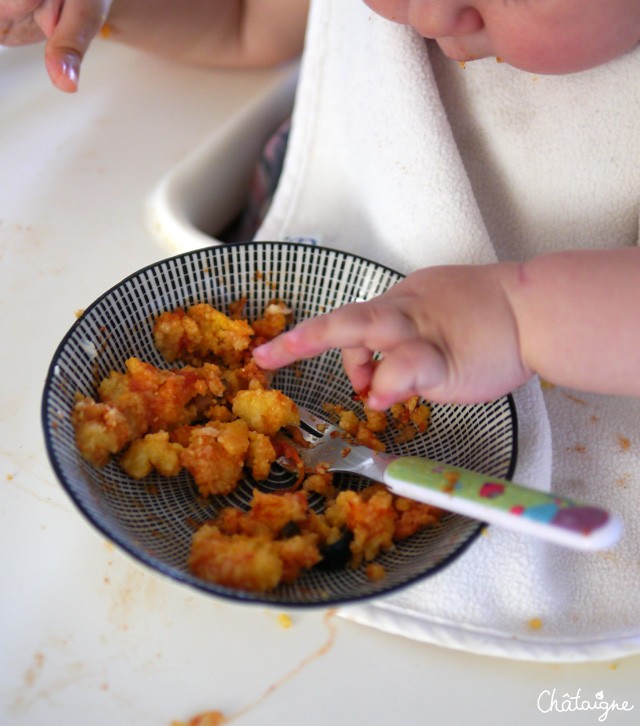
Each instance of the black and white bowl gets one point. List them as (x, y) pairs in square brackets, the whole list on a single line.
[(154, 520)]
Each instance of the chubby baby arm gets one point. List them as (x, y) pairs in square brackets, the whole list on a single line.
[(465, 334), (577, 314), (445, 333)]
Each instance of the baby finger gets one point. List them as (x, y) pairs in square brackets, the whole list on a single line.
[(412, 368)]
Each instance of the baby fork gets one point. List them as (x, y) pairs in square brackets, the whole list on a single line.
[(487, 498)]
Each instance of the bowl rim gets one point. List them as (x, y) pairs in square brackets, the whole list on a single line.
[(156, 565)]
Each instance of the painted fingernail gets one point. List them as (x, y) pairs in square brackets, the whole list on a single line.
[(71, 69)]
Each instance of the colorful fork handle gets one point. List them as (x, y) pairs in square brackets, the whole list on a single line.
[(503, 503)]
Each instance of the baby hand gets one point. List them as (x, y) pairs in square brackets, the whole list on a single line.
[(67, 26), (447, 334)]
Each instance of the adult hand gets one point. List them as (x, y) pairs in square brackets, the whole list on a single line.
[(66, 26)]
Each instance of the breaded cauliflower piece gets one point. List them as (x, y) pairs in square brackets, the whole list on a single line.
[(142, 399), (215, 456), (201, 333), (153, 451), (413, 516), (260, 455), (101, 430), (276, 511), (265, 410), (273, 321), (251, 550), (268, 516), (238, 561), (153, 399), (410, 418), (371, 519), (376, 420), (321, 483), (364, 432), (296, 554), (244, 377)]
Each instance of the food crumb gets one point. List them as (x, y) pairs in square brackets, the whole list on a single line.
[(375, 571), (285, 620), (624, 442), (623, 481), (207, 718), (79, 313), (106, 30), (578, 448), (451, 479), (535, 623), (575, 399), (546, 386)]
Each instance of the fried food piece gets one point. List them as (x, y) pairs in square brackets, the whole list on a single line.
[(413, 516), (279, 537), (265, 410), (296, 554), (274, 320), (153, 399), (153, 451), (238, 561), (251, 550), (367, 438), (276, 511), (420, 417), (410, 418), (321, 483), (101, 430), (364, 432), (268, 515), (377, 421), (260, 455), (370, 518), (201, 333), (347, 419), (215, 456), (244, 377), (375, 571), (142, 399)]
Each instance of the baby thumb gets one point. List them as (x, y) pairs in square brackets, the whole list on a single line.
[(412, 368)]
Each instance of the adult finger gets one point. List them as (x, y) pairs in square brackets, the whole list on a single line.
[(78, 24), (46, 16), (17, 24), (16, 9)]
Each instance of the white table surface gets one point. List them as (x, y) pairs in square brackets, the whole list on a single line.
[(87, 636)]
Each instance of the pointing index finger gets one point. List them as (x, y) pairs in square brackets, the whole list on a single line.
[(366, 325)]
